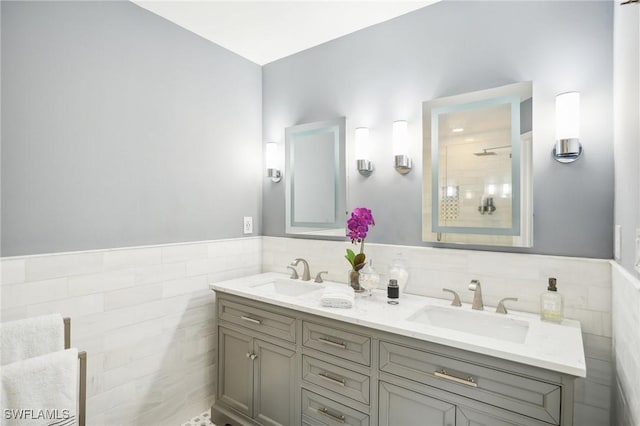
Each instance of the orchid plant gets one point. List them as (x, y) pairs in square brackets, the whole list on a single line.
[(358, 226)]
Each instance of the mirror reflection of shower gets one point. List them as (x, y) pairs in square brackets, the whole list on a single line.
[(486, 205), (491, 151)]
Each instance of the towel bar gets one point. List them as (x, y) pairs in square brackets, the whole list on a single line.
[(82, 387), (82, 391)]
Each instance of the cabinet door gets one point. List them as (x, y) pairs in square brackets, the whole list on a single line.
[(274, 384), (235, 370), (403, 407)]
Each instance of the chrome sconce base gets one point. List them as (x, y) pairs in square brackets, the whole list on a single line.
[(365, 167), (403, 164), (274, 174), (567, 150)]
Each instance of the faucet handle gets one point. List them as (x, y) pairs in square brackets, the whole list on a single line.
[(474, 285), (319, 276), (456, 298), (294, 273), (501, 309)]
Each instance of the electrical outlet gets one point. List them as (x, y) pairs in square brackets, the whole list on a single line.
[(636, 262), (248, 225), (617, 242)]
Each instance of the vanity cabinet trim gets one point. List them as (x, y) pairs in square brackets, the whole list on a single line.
[(264, 376), (337, 379), (443, 410), (465, 407), (364, 356), (258, 319), (330, 412), (530, 397), (240, 399), (337, 342)]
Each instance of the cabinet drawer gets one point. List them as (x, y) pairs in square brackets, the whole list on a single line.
[(523, 395), (335, 378), (340, 343), (261, 320), (329, 412)]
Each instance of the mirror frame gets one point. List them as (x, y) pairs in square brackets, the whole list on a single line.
[(521, 170), (336, 229)]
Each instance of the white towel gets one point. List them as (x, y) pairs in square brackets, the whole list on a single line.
[(41, 391), (31, 337), (338, 297)]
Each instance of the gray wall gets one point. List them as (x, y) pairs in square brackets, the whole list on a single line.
[(627, 129), (381, 74), (121, 129)]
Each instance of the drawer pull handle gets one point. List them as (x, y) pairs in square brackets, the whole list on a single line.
[(331, 343), (325, 412), (255, 321), (325, 376), (469, 381)]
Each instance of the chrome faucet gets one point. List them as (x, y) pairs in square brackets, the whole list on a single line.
[(477, 295), (456, 298), (306, 275), (500, 309), (294, 273)]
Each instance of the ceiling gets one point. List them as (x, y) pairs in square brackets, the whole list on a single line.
[(264, 31)]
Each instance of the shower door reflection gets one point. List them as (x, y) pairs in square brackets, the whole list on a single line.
[(477, 157), (475, 167)]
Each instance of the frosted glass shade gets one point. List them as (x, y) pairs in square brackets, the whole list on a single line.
[(400, 139), (271, 155), (362, 143), (568, 116)]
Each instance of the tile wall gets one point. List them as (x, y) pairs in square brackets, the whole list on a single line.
[(626, 346), (144, 316), (585, 284)]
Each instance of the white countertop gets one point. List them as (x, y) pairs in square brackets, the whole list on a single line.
[(556, 347)]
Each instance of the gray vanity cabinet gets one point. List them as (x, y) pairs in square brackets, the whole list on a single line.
[(274, 384), (256, 378), (279, 366), (235, 375), (399, 406), (406, 403), (257, 374)]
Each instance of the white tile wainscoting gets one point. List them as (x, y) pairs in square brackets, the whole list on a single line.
[(626, 346), (145, 314), (585, 284), (145, 317)]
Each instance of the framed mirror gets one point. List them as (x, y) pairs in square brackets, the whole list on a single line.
[(315, 171), (477, 181)]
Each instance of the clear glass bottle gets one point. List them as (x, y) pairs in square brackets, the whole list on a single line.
[(551, 303), (369, 278), (398, 271)]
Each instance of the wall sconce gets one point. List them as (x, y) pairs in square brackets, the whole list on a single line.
[(365, 167), (271, 160), (567, 148), (401, 147)]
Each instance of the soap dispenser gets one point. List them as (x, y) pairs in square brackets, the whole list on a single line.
[(551, 303)]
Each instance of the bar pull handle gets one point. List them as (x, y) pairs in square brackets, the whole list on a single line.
[(255, 321), (325, 412), (325, 376), (469, 381), (332, 343)]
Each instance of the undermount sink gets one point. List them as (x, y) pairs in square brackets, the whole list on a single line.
[(486, 324), (288, 287)]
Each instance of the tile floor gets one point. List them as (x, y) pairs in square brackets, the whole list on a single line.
[(201, 420)]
